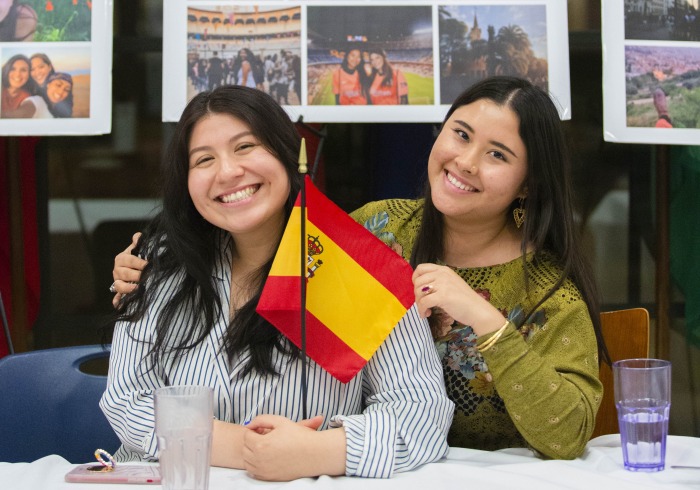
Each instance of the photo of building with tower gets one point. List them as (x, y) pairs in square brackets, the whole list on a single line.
[(477, 41)]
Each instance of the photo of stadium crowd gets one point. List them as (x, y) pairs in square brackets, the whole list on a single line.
[(389, 60), (370, 55), (253, 45)]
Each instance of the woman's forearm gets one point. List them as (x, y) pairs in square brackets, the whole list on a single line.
[(330, 453), (227, 445)]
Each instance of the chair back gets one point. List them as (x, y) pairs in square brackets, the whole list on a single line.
[(626, 334), (49, 406)]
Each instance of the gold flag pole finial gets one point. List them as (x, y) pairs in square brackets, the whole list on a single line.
[(302, 158)]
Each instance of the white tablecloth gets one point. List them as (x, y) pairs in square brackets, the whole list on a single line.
[(600, 468)]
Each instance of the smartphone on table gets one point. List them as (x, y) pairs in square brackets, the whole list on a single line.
[(122, 473)]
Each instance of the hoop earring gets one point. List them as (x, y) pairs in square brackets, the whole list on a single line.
[(519, 214)]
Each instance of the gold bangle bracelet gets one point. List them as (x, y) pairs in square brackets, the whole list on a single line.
[(490, 342)]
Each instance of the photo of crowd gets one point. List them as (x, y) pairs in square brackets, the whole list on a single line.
[(663, 20), (376, 55), (478, 41), (45, 85), (253, 46), (408, 58)]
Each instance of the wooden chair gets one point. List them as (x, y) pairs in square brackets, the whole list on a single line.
[(626, 334)]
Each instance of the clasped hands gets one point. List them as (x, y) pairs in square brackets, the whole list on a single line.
[(278, 449)]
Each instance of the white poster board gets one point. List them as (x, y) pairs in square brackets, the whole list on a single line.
[(57, 68), (305, 53), (651, 72)]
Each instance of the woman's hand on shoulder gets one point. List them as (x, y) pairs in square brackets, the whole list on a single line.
[(278, 449), (127, 270)]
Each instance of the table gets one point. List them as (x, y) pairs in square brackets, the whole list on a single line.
[(599, 468)]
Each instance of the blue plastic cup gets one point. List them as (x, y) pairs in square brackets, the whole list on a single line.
[(643, 400)]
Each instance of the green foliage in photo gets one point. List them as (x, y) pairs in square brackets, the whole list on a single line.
[(62, 20), (686, 111)]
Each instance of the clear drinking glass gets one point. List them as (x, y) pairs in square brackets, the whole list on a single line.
[(643, 400), (184, 416)]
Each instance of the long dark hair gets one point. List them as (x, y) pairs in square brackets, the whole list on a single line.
[(550, 227), (45, 58), (388, 70), (359, 69), (63, 108), (30, 85), (238, 63), (180, 241)]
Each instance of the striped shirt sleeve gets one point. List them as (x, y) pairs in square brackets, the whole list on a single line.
[(131, 383), (407, 413)]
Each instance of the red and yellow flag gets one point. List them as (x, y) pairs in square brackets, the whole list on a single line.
[(357, 287)]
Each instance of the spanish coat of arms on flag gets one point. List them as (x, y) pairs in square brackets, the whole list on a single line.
[(357, 288)]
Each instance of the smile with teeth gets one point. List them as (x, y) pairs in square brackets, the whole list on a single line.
[(459, 185), (239, 195)]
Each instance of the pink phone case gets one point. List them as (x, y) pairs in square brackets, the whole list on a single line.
[(123, 473)]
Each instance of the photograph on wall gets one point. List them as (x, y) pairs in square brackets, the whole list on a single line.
[(45, 20), (478, 41), (250, 45), (361, 61), (56, 59), (651, 72), (51, 84), (662, 86), (662, 20), (370, 55)]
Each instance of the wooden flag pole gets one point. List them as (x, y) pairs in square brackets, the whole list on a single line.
[(303, 169)]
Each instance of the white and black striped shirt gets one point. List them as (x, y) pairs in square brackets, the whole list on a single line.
[(395, 412)]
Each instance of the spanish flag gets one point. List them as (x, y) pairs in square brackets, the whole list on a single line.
[(357, 288)]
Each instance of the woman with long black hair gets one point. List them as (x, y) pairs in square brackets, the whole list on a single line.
[(230, 182)]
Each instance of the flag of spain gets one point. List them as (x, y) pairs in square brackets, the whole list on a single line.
[(357, 287)]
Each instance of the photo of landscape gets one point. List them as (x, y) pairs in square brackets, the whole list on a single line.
[(662, 83)]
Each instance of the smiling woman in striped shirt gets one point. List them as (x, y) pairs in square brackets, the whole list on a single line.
[(230, 180)]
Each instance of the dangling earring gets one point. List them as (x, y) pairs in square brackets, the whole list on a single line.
[(519, 214)]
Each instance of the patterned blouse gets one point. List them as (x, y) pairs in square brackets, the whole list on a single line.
[(538, 386)]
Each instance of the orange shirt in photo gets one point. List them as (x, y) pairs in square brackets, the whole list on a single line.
[(348, 87), (391, 95), (663, 123)]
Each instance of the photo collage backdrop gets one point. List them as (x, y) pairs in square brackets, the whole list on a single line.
[(651, 71), (56, 69), (380, 61)]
